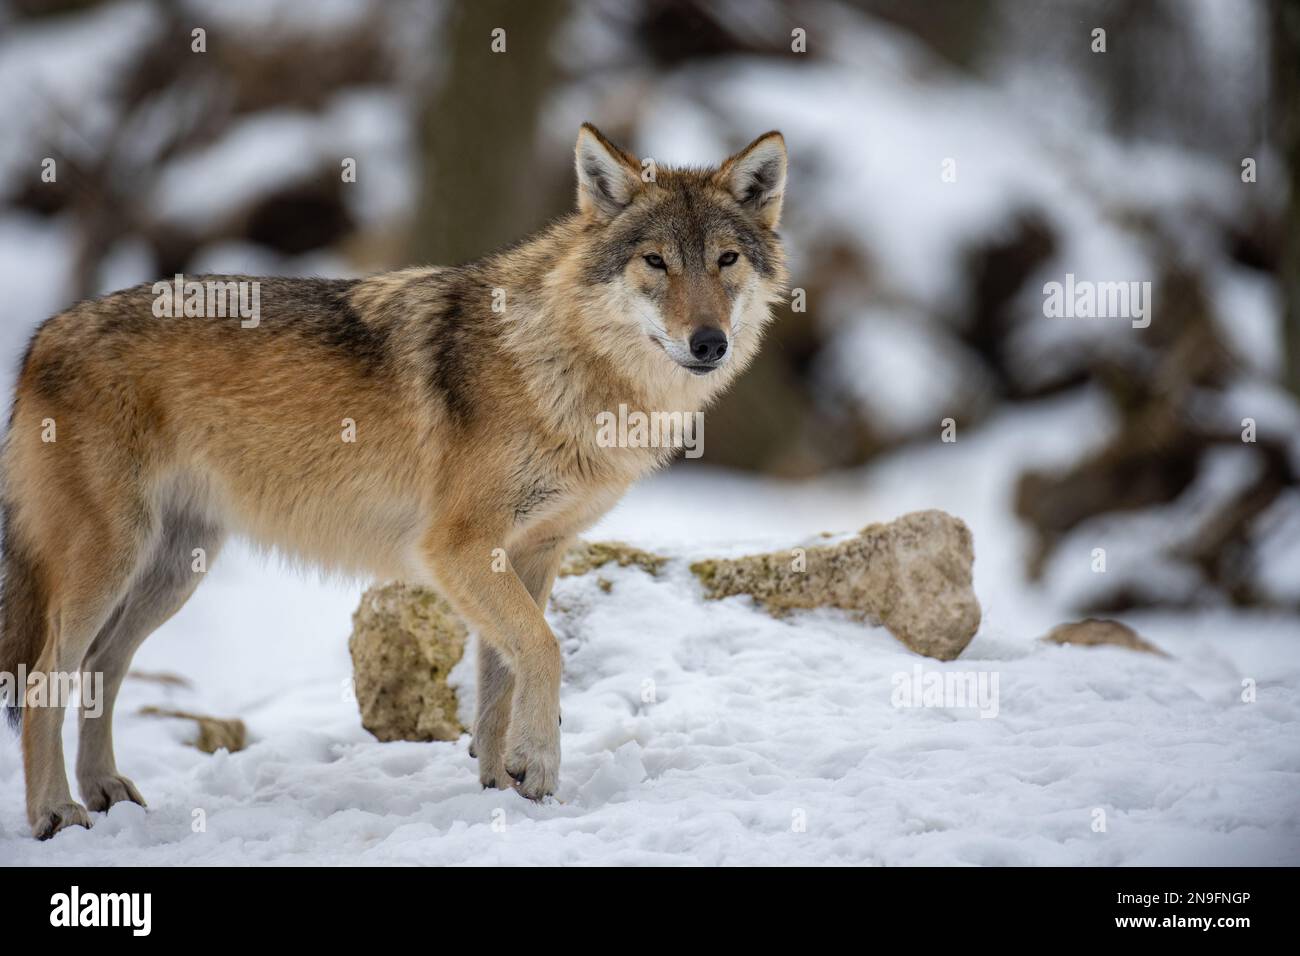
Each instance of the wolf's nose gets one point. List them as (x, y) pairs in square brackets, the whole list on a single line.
[(708, 345)]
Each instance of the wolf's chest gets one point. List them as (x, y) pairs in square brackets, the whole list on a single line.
[(538, 496), (571, 482)]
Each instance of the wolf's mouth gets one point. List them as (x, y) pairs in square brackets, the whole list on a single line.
[(698, 368)]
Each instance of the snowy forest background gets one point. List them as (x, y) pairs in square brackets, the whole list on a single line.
[(924, 301)]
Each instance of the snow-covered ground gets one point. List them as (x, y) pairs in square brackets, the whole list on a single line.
[(704, 733)]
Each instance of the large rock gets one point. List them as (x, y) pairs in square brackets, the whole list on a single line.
[(405, 641), (912, 575)]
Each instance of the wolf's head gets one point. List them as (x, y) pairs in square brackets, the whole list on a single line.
[(691, 255)]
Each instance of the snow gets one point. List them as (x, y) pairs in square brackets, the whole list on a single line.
[(58, 95), (267, 151), (903, 375), (1278, 532), (1249, 318), (372, 126), (703, 732), (275, 149), (35, 269), (233, 257), (261, 16), (1137, 544)]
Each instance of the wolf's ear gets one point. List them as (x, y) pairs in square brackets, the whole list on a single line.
[(608, 178), (756, 177)]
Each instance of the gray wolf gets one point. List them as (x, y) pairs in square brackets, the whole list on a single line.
[(414, 425)]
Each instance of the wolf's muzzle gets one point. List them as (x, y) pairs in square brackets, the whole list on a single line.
[(708, 345)]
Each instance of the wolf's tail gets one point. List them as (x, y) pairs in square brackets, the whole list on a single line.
[(22, 618)]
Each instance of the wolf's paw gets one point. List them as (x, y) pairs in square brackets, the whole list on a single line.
[(494, 778), (102, 792), (50, 820), (487, 747), (491, 766), (533, 762)]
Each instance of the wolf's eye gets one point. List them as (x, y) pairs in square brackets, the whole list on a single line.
[(655, 261), (728, 259)]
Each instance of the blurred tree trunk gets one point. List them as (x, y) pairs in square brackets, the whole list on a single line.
[(1286, 127), (478, 131)]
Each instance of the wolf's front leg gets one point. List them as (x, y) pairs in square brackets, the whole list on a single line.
[(532, 754), (536, 562), (511, 626)]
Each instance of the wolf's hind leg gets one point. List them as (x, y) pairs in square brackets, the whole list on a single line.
[(161, 589), (95, 569), (496, 684)]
